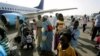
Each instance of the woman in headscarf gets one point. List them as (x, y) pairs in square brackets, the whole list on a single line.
[(47, 36), (59, 28)]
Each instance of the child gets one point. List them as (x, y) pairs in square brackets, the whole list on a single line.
[(64, 48), (29, 40)]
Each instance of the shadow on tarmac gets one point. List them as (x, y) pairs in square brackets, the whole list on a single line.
[(89, 47), (88, 41), (25, 52)]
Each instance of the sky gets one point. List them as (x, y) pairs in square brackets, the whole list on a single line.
[(84, 6)]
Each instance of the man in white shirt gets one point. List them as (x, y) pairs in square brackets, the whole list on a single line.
[(85, 20)]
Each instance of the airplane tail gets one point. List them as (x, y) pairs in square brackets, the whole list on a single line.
[(40, 6)]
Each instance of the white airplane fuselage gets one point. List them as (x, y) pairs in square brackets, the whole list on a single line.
[(9, 12)]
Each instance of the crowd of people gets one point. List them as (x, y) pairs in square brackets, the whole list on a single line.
[(65, 37)]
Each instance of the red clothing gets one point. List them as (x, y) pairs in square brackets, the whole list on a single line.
[(98, 39)]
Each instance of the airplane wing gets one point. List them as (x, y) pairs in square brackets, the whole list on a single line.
[(50, 11), (47, 11), (55, 10)]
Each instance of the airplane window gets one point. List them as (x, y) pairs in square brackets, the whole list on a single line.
[(5, 7), (2, 8), (10, 8)]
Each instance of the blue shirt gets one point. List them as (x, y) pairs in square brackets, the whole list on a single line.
[(97, 22), (74, 40), (2, 51)]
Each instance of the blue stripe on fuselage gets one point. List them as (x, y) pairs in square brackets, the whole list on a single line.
[(5, 11)]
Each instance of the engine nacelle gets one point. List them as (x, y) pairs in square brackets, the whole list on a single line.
[(9, 19)]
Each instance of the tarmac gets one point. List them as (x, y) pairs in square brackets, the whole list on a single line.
[(85, 45)]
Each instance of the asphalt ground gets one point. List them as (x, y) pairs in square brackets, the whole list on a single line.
[(85, 45)]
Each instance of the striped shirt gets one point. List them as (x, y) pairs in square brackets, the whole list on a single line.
[(4, 43)]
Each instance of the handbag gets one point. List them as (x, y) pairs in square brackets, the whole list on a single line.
[(50, 28)]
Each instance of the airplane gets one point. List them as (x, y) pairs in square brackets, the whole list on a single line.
[(8, 12)]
